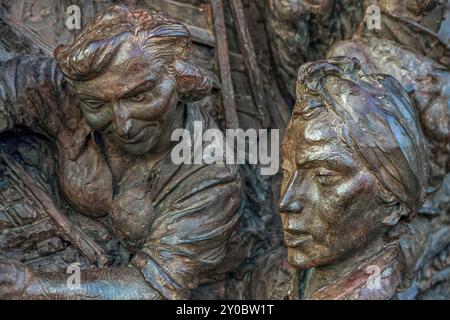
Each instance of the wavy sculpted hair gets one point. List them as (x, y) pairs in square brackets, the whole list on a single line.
[(168, 39)]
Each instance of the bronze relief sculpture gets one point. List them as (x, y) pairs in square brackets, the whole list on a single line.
[(304, 30), (355, 171), (124, 85), (408, 48), (86, 174)]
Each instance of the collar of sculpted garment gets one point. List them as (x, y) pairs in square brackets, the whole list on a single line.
[(388, 269), (375, 276)]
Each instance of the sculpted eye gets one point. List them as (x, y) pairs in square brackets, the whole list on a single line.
[(326, 177), (138, 98), (323, 179), (94, 104)]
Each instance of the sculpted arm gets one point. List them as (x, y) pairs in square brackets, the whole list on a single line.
[(188, 237)]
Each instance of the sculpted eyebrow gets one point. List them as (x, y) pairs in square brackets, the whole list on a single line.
[(88, 96), (333, 162), (144, 86)]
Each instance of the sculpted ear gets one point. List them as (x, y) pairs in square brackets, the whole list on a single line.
[(396, 209), (193, 83)]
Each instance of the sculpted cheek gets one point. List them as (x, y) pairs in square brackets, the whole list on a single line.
[(160, 102), (169, 93), (357, 188)]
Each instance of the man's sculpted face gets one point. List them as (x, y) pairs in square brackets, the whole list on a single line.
[(132, 102)]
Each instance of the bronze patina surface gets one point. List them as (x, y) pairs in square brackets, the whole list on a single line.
[(358, 210)]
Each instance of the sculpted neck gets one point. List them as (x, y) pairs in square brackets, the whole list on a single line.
[(354, 277)]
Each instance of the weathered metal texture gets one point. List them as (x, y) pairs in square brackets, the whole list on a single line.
[(196, 18), (42, 22), (301, 31), (124, 173), (260, 212), (248, 50), (31, 212), (340, 163), (87, 246), (249, 56), (405, 49), (223, 56)]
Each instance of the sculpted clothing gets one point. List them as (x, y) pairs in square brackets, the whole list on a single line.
[(175, 220)]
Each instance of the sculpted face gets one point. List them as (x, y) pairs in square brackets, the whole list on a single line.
[(328, 202), (132, 102)]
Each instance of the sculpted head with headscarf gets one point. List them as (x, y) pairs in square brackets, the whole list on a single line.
[(355, 163)]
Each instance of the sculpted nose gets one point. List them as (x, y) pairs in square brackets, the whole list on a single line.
[(289, 201), (289, 204), (122, 120)]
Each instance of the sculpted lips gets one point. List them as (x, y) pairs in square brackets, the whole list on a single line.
[(294, 232), (136, 139), (295, 238)]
